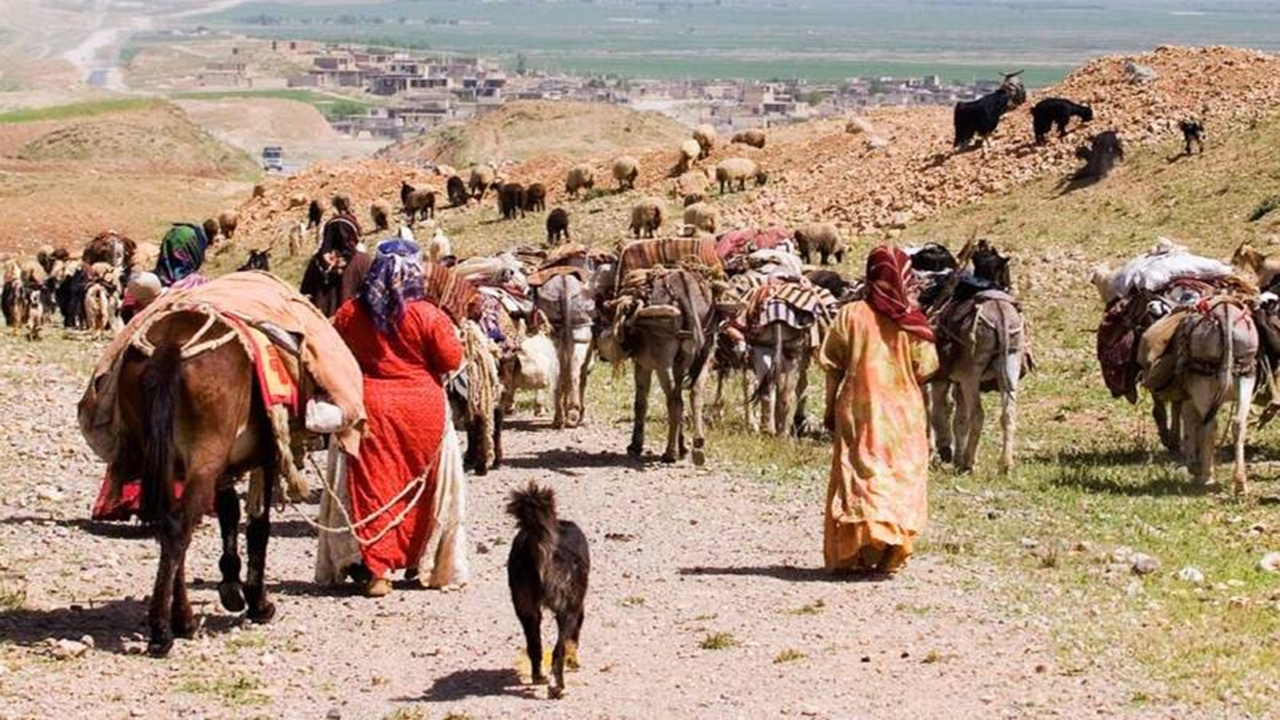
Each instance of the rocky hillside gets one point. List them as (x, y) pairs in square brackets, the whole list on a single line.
[(522, 130), (895, 171)]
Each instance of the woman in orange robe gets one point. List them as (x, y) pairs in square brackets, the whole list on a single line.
[(878, 354), (405, 346)]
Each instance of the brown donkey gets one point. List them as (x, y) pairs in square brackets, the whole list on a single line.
[(195, 416)]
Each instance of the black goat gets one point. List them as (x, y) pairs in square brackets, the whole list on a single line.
[(833, 282), (70, 298), (980, 118), (548, 567), (456, 189), (1102, 154), (990, 265), (315, 214), (535, 198), (511, 201), (258, 260), (1056, 112), (1192, 134), (932, 257), (557, 226)]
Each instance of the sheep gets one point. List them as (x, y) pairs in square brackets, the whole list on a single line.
[(858, 126), (1056, 112), (705, 134), (380, 211), (227, 222), (580, 177), (625, 170), (702, 217), (342, 203), (259, 191), (211, 229), (483, 178), (445, 171), (979, 118), (1102, 275), (1192, 134), (1100, 156), (535, 197), (1265, 267), (690, 151), (754, 137), (298, 200), (439, 247), (557, 226), (691, 183), (315, 214), (456, 189), (511, 200), (417, 203), (694, 198), (824, 238), (646, 217), (738, 170)]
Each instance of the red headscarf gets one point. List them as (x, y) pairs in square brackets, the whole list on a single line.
[(888, 278)]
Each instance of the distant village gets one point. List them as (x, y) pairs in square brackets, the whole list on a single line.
[(422, 92)]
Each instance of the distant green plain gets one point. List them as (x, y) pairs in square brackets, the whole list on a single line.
[(819, 40)]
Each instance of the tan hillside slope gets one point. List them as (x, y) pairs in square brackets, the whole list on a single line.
[(524, 129), (68, 172)]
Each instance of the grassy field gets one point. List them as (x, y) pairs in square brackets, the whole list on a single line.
[(75, 111), (329, 105), (765, 39)]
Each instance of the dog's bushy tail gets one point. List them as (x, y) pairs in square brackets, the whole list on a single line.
[(534, 509)]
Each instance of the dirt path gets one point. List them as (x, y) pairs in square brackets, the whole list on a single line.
[(678, 555)]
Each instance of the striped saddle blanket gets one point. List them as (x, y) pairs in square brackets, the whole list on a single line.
[(450, 292), (668, 252)]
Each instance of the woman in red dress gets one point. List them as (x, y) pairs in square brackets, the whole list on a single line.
[(405, 346)]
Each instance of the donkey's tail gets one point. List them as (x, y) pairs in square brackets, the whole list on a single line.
[(1226, 372), (1005, 379), (772, 378), (162, 381)]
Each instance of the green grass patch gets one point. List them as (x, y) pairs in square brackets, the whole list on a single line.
[(12, 596), (719, 641), (788, 655), (235, 690), (1265, 208), (812, 608), (328, 105), (76, 110)]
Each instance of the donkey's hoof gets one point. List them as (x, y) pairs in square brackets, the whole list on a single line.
[(635, 451), (699, 457), (231, 595), (944, 455), (159, 648), (555, 692), (264, 614), (669, 457)]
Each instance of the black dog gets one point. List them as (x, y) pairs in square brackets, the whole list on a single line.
[(1192, 134), (547, 567)]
